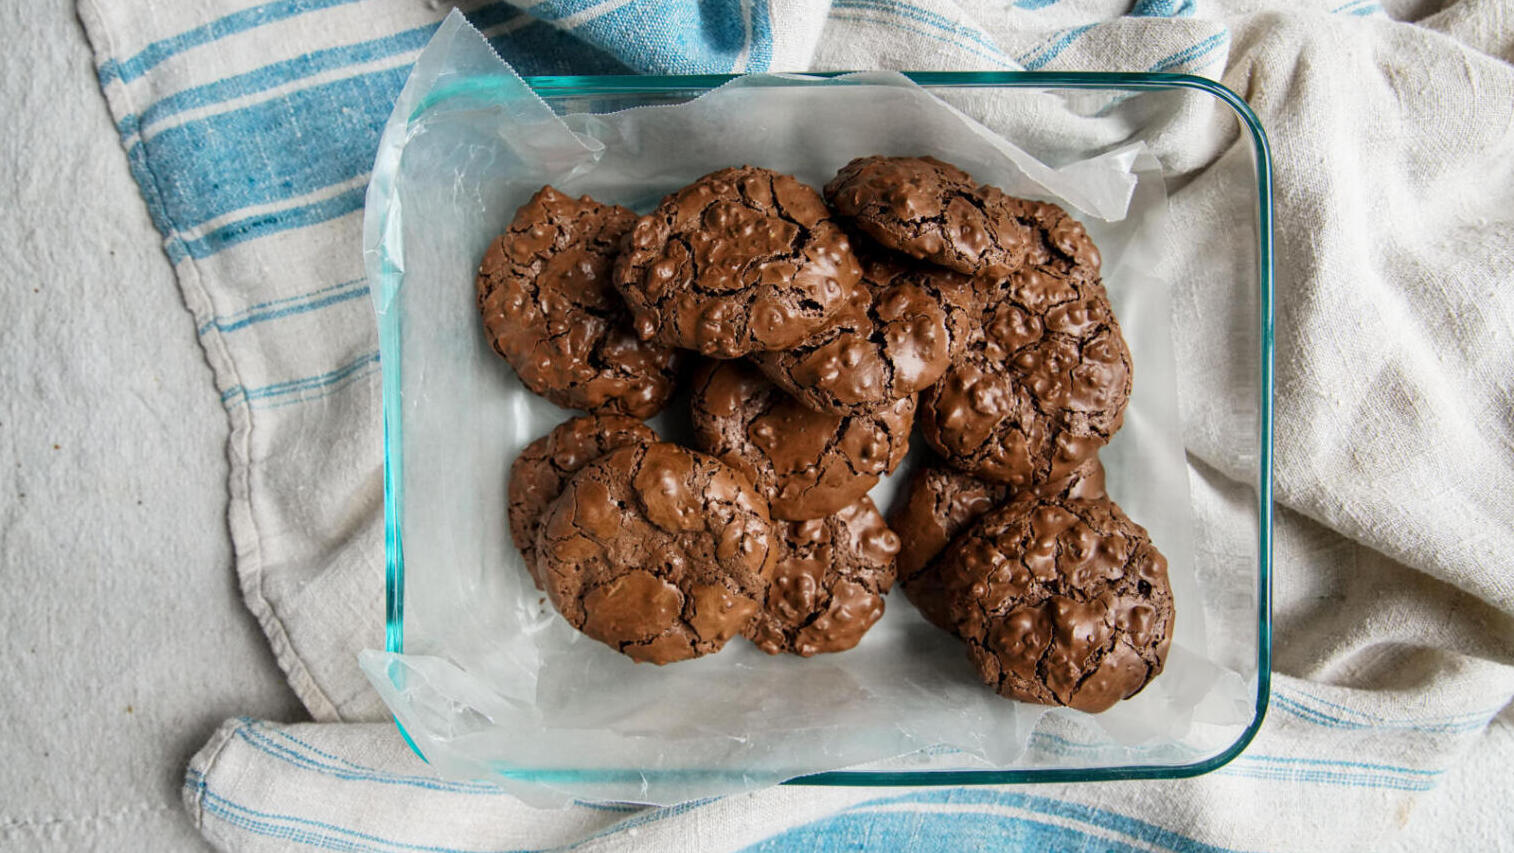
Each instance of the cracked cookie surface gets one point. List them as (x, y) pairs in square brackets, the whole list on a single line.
[(658, 551), (543, 468), (742, 260), (1044, 381), (939, 502), (550, 310), (933, 211), (907, 324), (808, 464), (829, 583), (1060, 601)]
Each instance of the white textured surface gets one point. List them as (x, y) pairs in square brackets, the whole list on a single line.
[(107, 604), (123, 639)]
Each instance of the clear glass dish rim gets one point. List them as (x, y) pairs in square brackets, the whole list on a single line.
[(1128, 81)]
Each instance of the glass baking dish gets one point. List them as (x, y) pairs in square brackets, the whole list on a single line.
[(1232, 551)]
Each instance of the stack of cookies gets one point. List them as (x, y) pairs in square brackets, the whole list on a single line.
[(824, 327)]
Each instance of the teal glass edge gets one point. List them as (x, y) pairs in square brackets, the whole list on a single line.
[(389, 338)]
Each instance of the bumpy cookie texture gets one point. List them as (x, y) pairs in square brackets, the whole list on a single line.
[(742, 260), (830, 581), (549, 308), (658, 551), (933, 211), (1061, 245), (906, 326), (1044, 383), (540, 472), (808, 464), (1060, 602), (940, 503)]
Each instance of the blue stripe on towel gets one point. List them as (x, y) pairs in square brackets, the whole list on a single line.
[(674, 36), (302, 830), (300, 143), (1357, 7), (548, 50), (925, 16), (1163, 9), (1356, 774), (556, 10), (253, 319), (761, 56), (929, 832), (275, 75), (264, 224), (147, 182), (1328, 720), (127, 70), (1104, 819), (238, 393), (1189, 54), (894, 23), (303, 397), (274, 309), (1328, 762), (1329, 777), (1478, 717), (301, 67), (306, 141), (260, 741), (275, 150), (311, 383), (266, 734), (1037, 57)]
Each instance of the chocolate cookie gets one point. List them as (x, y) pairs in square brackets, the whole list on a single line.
[(939, 503), (829, 584), (740, 261), (1061, 245), (541, 470), (933, 211), (808, 464), (1061, 602), (1044, 383), (658, 551), (907, 324), (549, 308)]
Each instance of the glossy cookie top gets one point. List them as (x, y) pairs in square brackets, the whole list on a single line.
[(933, 211), (909, 322), (939, 503), (544, 467), (1060, 601), (743, 260), (1044, 383), (808, 464), (829, 583), (549, 308), (658, 551)]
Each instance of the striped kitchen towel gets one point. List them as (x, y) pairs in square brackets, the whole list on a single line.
[(251, 127), (1334, 769)]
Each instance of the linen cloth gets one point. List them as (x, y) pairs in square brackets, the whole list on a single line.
[(251, 128), (95, 349)]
